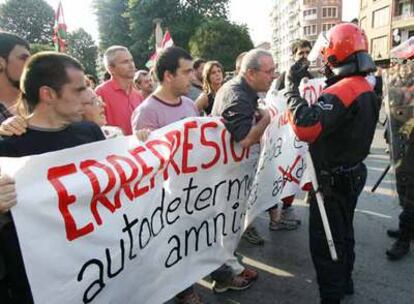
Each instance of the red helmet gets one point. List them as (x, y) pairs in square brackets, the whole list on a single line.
[(343, 40)]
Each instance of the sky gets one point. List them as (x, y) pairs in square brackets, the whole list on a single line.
[(254, 13)]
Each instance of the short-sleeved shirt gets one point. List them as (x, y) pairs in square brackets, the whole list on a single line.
[(119, 105), (237, 103), (155, 113)]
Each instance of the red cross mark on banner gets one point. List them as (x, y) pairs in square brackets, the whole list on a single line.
[(287, 174)]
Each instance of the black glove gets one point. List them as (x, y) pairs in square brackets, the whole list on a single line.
[(295, 74)]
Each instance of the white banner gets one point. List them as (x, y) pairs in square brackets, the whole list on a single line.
[(120, 221)]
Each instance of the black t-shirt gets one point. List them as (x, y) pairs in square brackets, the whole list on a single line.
[(38, 141)]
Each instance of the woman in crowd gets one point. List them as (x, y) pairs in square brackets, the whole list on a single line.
[(95, 112), (213, 76)]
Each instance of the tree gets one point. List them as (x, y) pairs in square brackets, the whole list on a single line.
[(36, 48), (113, 24), (181, 17), (220, 40), (82, 47), (32, 20)]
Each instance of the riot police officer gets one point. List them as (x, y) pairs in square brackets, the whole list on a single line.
[(340, 128)]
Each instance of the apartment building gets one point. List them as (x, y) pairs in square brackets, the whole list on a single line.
[(305, 19)]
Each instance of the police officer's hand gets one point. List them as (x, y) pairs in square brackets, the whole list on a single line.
[(8, 197), (295, 74)]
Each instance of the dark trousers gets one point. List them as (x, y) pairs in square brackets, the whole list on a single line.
[(405, 189), (15, 283), (340, 192)]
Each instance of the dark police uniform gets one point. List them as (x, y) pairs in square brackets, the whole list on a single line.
[(340, 128)]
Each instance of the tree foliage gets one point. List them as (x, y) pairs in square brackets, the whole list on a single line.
[(82, 47), (220, 40), (180, 17), (32, 20), (36, 48), (113, 24)]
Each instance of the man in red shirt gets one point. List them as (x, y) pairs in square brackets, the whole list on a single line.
[(119, 94)]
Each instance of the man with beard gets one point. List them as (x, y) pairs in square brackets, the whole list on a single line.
[(197, 79), (14, 51)]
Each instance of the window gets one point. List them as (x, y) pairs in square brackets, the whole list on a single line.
[(379, 47), (310, 14), (307, 2), (330, 12), (327, 26), (309, 30), (381, 17), (363, 23)]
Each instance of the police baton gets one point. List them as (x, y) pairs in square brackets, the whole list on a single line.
[(321, 206), (381, 178)]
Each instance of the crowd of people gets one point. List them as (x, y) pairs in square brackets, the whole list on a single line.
[(47, 103)]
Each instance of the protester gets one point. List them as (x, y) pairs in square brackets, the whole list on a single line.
[(54, 92), (300, 51), (14, 51), (143, 83), (168, 104), (213, 76), (239, 60), (340, 128), (119, 94), (285, 218), (94, 111), (197, 79), (237, 103), (250, 234), (91, 81)]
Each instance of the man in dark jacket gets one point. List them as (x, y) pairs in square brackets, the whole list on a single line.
[(340, 128), (300, 52)]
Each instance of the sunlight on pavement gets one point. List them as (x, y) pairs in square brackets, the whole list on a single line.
[(275, 271), (373, 213), (381, 191)]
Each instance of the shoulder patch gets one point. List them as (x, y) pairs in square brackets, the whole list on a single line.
[(348, 89)]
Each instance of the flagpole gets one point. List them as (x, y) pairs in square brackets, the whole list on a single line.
[(321, 206)]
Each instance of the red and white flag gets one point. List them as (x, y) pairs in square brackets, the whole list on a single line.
[(60, 30), (165, 43), (167, 40)]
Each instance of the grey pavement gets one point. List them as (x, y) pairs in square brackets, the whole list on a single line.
[(286, 273)]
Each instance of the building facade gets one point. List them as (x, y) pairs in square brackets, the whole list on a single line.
[(300, 19), (387, 23)]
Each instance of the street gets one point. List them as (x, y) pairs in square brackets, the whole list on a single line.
[(286, 273)]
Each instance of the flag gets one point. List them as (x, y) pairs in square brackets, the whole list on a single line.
[(165, 43), (59, 30), (167, 40), (151, 62)]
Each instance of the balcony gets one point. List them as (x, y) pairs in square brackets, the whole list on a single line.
[(404, 20), (310, 17), (403, 16)]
